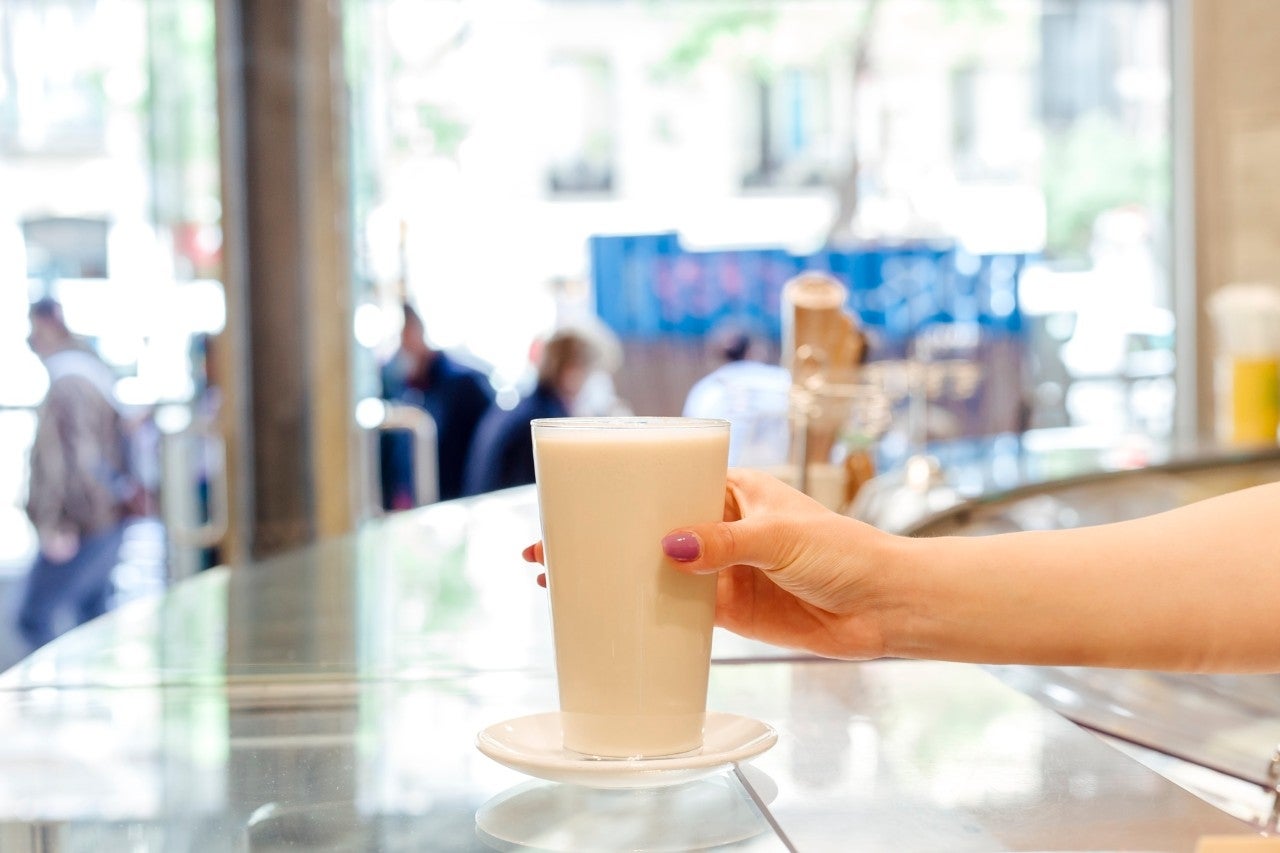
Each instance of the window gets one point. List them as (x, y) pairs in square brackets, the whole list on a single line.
[(55, 76), (789, 119), (580, 125)]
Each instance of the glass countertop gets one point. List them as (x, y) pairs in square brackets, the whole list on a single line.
[(329, 699), (441, 591), (888, 755)]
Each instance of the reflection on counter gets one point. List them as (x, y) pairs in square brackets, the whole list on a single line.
[(892, 755), (699, 815), (903, 755)]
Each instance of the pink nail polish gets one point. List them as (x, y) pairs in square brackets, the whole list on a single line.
[(683, 547)]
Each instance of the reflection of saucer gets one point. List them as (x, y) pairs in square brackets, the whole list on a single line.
[(534, 745), (698, 815)]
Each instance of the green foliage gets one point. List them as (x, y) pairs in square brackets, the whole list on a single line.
[(979, 11), (690, 51), (1094, 166), (735, 20), (447, 131)]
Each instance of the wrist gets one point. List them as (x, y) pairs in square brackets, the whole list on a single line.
[(907, 587)]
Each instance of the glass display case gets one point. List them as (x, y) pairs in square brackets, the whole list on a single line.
[(1218, 735)]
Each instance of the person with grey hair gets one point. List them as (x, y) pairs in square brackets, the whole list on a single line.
[(502, 455), (80, 486)]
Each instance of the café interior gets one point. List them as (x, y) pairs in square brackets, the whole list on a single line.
[(1041, 239)]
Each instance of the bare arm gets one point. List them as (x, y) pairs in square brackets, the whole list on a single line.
[(1196, 588), (1193, 589)]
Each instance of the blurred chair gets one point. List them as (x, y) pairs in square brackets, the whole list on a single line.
[(381, 418)]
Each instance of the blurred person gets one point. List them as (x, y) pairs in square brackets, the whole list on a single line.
[(747, 392), (502, 456), (598, 397), (576, 309), (80, 487), (455, 396)]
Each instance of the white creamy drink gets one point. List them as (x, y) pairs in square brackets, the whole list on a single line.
[(632, 634)]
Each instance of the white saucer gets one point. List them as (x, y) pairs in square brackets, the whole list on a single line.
[(534, 745)]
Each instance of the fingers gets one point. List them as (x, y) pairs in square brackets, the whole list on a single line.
[(706, 548), (763, 517), (534, 554), (751, 533)]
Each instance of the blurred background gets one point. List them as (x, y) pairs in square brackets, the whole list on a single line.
[(645, 169)]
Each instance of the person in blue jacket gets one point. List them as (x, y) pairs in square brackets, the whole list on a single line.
[(502, 455), (456, 397)]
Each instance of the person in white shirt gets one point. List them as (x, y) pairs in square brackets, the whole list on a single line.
[(747, 392)]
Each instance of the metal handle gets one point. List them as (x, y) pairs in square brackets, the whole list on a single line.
[(179, 498), (380, 416), (191, 446), (212, 531)]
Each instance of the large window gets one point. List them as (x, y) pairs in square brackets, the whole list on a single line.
[(54, 73), (109, 202), (490, 158)]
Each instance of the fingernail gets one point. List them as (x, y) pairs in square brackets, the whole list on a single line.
[(528, 554), (681, 546)]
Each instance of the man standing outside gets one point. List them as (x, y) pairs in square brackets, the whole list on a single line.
[(79, 485)]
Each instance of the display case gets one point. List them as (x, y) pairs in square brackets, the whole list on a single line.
[(1218, 735)]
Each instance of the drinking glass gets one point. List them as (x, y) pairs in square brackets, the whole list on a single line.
[(632, 634)]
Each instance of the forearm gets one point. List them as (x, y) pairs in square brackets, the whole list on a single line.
[(1195, 589)]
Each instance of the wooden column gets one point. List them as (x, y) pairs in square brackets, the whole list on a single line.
[(1236, 134), (287, 236)]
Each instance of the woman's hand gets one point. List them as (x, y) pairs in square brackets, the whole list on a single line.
[(792, 572), (1192, 589)]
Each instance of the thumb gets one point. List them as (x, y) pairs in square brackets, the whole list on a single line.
[(705, 548)]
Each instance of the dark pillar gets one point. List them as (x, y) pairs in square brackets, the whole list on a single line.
[(282, 103)]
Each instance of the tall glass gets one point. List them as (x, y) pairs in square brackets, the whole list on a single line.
[(632, 635)]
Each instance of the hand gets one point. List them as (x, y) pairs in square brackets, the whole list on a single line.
[(58, 546), (792, 572)]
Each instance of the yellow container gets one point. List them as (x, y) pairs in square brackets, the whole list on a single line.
[(1246, 316), (1248, 399)]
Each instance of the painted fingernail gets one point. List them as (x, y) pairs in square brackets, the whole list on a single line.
[(681, 546), (530, 555)]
